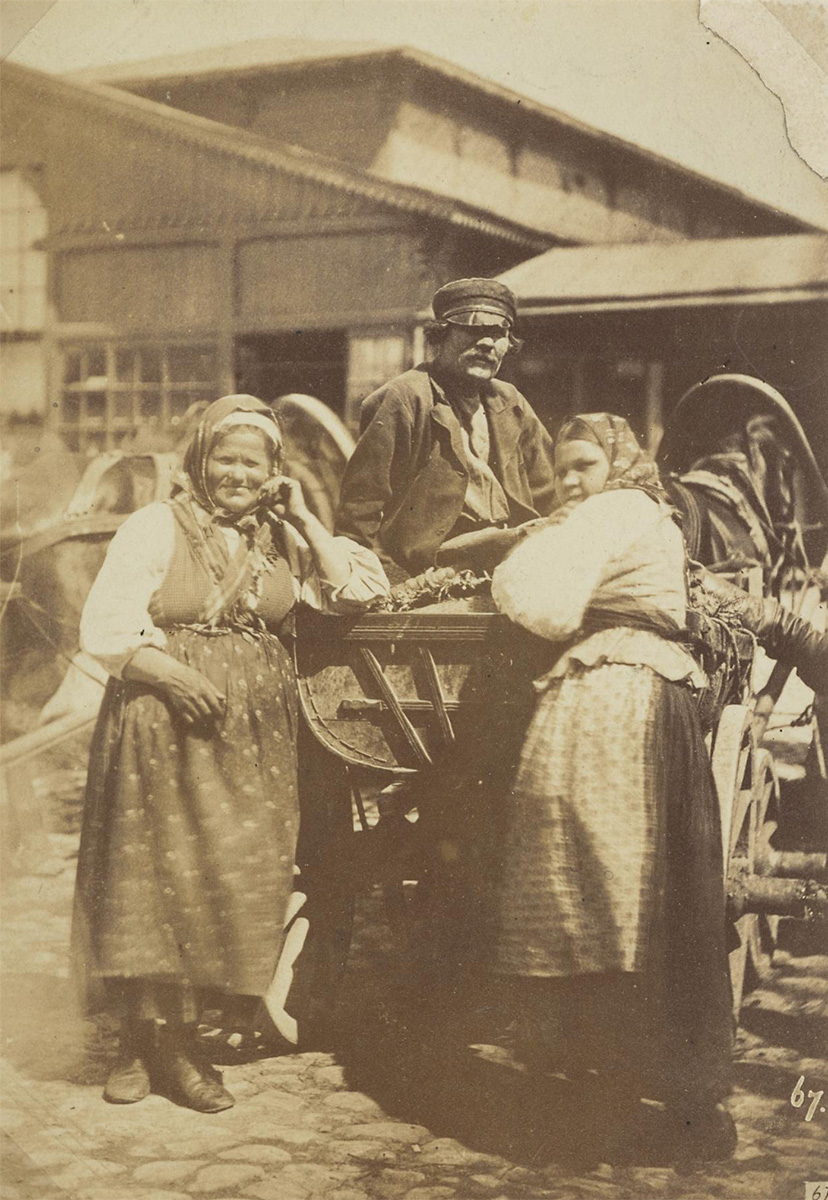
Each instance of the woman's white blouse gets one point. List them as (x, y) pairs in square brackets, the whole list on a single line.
[(617, 544), (116, 622)]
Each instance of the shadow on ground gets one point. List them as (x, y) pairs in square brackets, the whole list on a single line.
[(807, 1033), (481, 1097)]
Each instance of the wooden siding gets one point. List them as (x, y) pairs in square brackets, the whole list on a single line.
[(347, 120), (167, 238), (168, 288), (331, 281), (345, 116), (109, 173), (536, 187), (416, 126)]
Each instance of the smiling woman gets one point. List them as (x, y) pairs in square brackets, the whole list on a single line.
[(238, 466), (187, 851)]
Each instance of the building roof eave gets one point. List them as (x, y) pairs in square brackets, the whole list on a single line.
[(175, 68), (253, 148), (785, 268), (554, 308)]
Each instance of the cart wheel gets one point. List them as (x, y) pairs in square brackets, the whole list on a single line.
[(746, 787), (730, 764), (317, 449), (764, 931)]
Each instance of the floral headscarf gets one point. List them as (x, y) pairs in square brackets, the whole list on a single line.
[(235, 579), (223, 413), (630, 466)]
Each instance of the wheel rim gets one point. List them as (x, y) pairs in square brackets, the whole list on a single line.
[(746, 786)]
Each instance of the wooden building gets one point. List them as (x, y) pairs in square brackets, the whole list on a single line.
[(629, 329), (409, 117), (276, 226)]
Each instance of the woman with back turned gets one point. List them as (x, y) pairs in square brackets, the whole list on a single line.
[(611, 916)]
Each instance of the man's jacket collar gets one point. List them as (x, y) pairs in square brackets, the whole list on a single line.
[(504, 429)]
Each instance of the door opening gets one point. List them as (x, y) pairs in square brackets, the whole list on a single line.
[(311, 361)]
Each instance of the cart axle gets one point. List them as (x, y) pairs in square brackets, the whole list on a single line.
[(805, 899), (788, 864)]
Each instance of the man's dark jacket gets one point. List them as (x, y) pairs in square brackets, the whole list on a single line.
[(404, 487)]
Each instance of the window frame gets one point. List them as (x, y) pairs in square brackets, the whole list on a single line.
[(106, 431)]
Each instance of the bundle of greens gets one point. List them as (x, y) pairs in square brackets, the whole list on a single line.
[(433, 585)]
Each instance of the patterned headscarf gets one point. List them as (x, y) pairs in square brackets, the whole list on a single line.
[(235, 580), (227, 412), (630, 466)]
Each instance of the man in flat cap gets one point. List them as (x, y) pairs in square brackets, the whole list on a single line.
[(445, 449)]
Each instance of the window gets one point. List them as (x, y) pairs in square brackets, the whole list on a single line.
[(111, 392), (22, 224)]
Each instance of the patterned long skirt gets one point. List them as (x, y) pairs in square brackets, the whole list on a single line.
[(189, 835), (610, 907)]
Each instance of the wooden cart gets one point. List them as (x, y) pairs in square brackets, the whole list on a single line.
[(408, 700)]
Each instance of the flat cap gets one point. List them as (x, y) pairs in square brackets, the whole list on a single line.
[(471, 301)]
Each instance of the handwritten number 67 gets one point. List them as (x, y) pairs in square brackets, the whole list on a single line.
[(798, 1098)]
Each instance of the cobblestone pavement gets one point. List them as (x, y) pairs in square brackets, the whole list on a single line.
[(364, 1123)]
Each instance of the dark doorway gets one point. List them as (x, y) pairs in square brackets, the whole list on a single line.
[(311, 361)]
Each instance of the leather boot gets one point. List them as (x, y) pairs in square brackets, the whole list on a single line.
[(182, 1074), (129, 1079)]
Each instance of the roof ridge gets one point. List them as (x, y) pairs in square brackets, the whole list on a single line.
[(463, 75), (338, 49)]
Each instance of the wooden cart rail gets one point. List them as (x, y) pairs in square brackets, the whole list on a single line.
[(391, 691)]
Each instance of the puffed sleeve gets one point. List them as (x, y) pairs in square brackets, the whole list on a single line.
[(547, 581), (366, 581), (115, 621)]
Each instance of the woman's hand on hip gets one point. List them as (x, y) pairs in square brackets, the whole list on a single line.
[(192, 694)]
